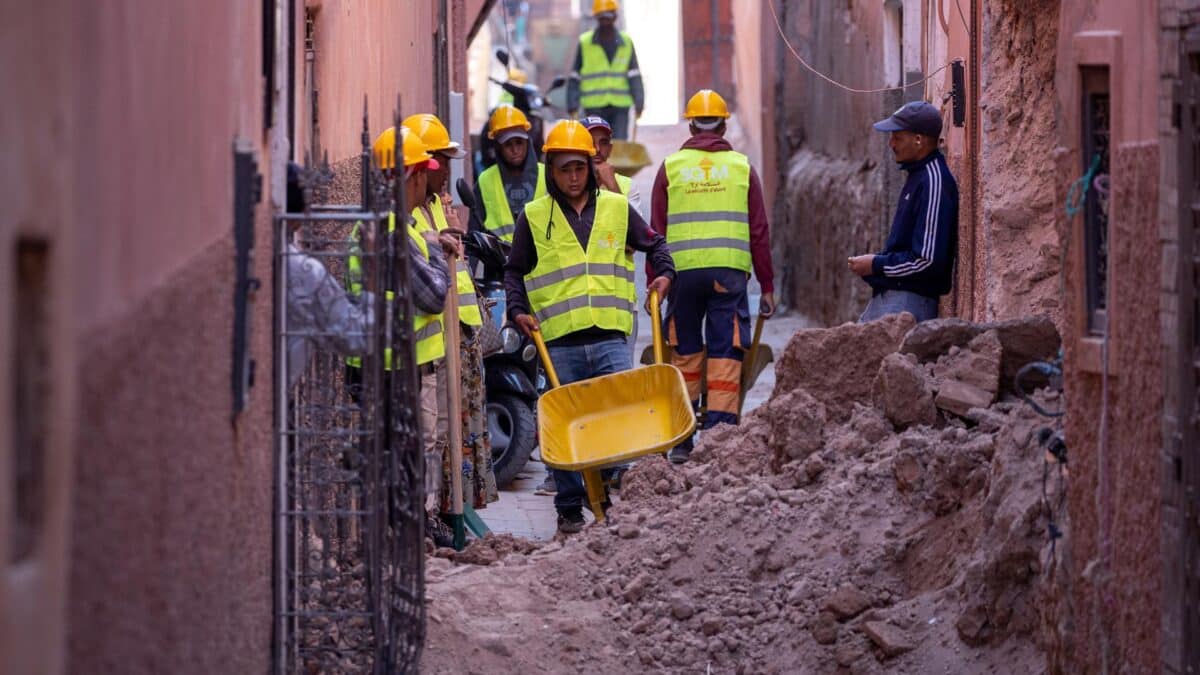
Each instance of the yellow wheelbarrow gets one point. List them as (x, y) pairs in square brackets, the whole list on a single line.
[(591, 425), (629, 157)]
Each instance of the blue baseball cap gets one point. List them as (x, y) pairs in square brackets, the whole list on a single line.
[(595, 122), (918, 117)]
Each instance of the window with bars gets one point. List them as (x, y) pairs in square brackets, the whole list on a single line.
[(1096, 115), (30, 361)]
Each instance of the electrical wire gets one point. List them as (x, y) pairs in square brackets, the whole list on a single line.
[(830, 80)]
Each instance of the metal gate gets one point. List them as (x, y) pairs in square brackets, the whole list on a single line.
[(349, 527), (1188, 366)]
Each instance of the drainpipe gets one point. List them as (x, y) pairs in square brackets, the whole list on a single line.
[(974, 143)]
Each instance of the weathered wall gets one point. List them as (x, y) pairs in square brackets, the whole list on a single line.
[(1112, 615), (170, 567), (1018, 252), (830, 202)]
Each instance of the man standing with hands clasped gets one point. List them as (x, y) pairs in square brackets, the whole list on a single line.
[(917, 263)]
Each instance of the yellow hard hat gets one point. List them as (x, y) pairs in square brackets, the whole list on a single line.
[(602, 6), (569, 136), (385, 148), (506, 117), (706, 103), (433, 134), (517, 75)]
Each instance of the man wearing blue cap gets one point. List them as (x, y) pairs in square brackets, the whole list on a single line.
[(916, 266)]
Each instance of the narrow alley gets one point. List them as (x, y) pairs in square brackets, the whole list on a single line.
[(596, 336)]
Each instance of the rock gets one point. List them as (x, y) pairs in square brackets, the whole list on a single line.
[(682, 607), (797, 426), (636, 588), (972, 625), (847, 602), (711, 625), (908, 471), (901, 390), (869, 423), (969, 378), (892, 640), (814, 466), (987, 420), (825, 629), (1022, 340), (800, 592), (837, 365), (755, 497), (848, 651), (628, 531)]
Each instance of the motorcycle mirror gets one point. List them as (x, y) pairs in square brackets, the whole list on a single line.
[(557, 83), (502, 56), (465, 195)]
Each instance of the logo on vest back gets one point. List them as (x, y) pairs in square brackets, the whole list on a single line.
[(705, 176)]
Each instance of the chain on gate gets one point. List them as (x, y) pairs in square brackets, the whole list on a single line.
[(349, 554)]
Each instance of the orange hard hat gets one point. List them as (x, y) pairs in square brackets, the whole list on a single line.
[(569, 136), (433, 134), (706, 103), (602, 6), (506, 117)]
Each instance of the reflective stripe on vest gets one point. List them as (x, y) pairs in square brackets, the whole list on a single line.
[(468, 305), (427, 328), (708, 213), (603, 83), (499, 218), (571, 289)]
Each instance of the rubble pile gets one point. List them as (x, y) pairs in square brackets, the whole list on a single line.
[(883, 512)]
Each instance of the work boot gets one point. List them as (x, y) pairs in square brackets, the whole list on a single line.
[(571, 521), (548, 486), (438, 531), (680, 454)]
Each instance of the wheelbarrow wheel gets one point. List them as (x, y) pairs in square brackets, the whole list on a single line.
[(512, 427)]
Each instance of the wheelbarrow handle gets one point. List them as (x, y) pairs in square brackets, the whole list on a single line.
[(545, 354), (656, 326)]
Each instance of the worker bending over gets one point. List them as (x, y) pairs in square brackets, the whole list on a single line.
[(568, 276), (434, 213), (708, 201), (515, 179), (605, 79)]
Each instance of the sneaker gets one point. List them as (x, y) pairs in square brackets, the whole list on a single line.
[(570, 522), (679, 454), (548, 487)]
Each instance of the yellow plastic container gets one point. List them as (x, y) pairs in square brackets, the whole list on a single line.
[(609, 420)]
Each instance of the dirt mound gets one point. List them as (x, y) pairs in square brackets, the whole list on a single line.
[(815, 537)]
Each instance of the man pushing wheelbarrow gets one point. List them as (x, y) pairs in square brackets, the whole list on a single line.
[(569, 283)]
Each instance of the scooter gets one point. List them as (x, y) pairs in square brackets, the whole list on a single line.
[(512, 377), (528, 99)]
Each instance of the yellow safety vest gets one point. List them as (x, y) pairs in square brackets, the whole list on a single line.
[(427, 328), (708, 212), (468, 305), (571, 289), (499, 218), (624, 183), (603, 83)]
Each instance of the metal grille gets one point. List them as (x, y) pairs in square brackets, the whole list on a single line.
[(1095, 156), (349, 581), (1187, 367)]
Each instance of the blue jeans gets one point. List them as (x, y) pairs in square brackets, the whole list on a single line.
[(922, 307), (580, 362)]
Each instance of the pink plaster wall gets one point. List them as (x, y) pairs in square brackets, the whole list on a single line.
[(1114, 495)]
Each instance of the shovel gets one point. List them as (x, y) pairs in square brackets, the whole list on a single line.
[(756, 360)]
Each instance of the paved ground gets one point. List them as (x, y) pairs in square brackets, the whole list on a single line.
[(523, 513)]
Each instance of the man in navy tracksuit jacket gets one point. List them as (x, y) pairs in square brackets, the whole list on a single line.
[(917, 263)]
